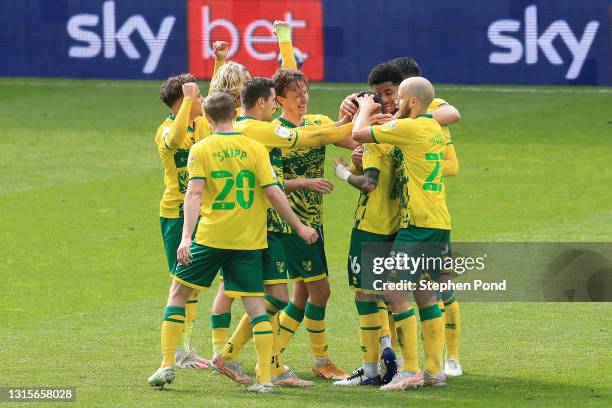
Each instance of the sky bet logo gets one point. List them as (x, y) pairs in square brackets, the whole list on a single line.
[(536, 40), (247, 26), (85, 28)]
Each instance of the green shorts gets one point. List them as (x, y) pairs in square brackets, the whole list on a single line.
[(359, 237), (242, 270), (274, 260), (438, 237), (172, 230), (306, 262)]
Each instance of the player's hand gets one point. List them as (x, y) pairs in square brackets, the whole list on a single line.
[(183, 256), (190, 89), (320, 185), (282, 30), (344, 120), (380, 118), (341, 169), (220, 49), (367, 103), (357, 157), (308, 234), (349, 105)]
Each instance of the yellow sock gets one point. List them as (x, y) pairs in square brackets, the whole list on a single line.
[(190, 317), (273, 306), (289, 321), (220, 324), (432, 331), (383, 312), (392, 329), (442, 311), (241, 336), (263, 338), (406, 329), (315, 324), (452, 329), (173, 326), (369, 330)]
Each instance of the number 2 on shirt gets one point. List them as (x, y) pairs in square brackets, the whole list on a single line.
[(430, 184)]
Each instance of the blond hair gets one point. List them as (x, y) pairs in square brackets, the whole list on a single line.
[(230, 78)]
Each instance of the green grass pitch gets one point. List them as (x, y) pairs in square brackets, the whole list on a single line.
[(84, 279)]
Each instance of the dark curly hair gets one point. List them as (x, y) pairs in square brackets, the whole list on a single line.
[(172, 88)]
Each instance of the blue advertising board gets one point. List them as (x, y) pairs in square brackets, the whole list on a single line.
[(92, 38), (504, 41), (538, 42)]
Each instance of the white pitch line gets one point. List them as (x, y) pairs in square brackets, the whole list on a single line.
[(315, 86)]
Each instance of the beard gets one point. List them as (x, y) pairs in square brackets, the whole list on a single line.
[(405, 113)]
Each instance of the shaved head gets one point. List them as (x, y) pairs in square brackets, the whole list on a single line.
[(415, 95)]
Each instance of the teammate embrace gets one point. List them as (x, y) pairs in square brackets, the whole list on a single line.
[(224, 211)]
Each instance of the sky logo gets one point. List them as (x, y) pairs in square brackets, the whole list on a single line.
[(506, 34), (84, 28)]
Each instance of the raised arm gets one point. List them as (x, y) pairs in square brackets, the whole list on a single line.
[(220, 48), (282, 30), (322, 136), (178, 130), (446, 114), (279, 201), (361, 128)]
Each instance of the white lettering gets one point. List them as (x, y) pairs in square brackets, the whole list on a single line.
[(534, 42), (112, 36)]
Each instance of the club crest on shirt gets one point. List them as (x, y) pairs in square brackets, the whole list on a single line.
[(392, 124)]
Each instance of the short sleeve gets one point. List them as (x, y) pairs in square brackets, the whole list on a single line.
[(372, 157), (398, 132), (195, 163), (436, 103), (265, 173)]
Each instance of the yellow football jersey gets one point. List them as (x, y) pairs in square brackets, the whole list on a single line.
[(176, 175), (378, 211), (233, 211), (308, 162), (435, 104), (273, 137), (422, 144)]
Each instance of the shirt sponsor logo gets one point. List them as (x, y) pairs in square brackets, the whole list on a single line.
[(283, 132)]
